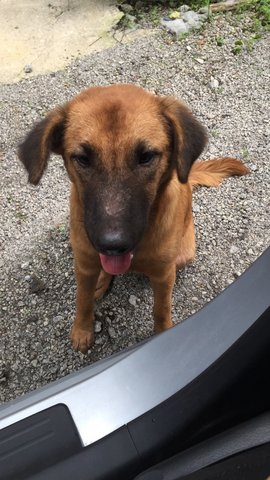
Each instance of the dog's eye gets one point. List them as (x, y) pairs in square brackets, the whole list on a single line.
[(82, 160), (147, 157)]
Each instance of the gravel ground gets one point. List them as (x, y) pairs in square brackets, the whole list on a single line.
[(37, 287)]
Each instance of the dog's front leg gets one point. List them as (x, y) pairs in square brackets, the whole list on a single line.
[(82, 332), (163, 286)]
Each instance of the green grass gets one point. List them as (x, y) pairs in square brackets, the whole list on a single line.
[(219, 40), (155, 6), (245, 44), (245, 153), (261, 11), (168, 3)]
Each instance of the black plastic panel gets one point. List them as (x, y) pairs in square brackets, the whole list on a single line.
[(235, 441), (37, 442), (252, 464), (234, 389), (113, 458)]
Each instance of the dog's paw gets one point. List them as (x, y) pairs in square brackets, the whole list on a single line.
[(103, 284), (163, 324), (81, 339)]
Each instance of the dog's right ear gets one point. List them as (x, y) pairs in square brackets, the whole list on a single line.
[(44, 138), (188, 135)]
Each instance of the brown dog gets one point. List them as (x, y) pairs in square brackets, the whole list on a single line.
[(129, 156)]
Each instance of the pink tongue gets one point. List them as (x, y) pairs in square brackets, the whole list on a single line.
[(115, 264)]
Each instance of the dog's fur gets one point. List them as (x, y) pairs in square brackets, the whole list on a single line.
[(129, 155)]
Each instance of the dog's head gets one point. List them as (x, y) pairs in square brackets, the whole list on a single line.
[(120, 145)]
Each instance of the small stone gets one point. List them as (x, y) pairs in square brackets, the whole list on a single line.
[(214, 83), (131, 18), (63, 367), (126, 8), (188, 48), (15, 367), (178, 26), (34, 363), (27, 278), (112, 333), (194, 25), (250, 251), (133, 300), (190, 16), (32, 319), (58, 318), (234, 249), (36, 285), (3, 374), (54, 370), (139, 4), (204, 10), (203, 17), (98, 326), (196, 208), (28, 68), (199, 60), (254, 168), (236, 274), (24, 265), (184, 8)]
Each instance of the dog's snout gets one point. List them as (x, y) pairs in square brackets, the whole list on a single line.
[(115, 231), (113, 243)]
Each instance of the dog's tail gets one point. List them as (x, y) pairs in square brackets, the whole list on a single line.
[(210, 173)]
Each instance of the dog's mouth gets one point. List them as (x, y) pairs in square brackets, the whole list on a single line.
[(116, 264)]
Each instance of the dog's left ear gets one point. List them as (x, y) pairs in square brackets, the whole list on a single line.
[(188, 136), (44, 138)]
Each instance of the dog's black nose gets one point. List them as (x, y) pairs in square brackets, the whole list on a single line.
[(113, 243)]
